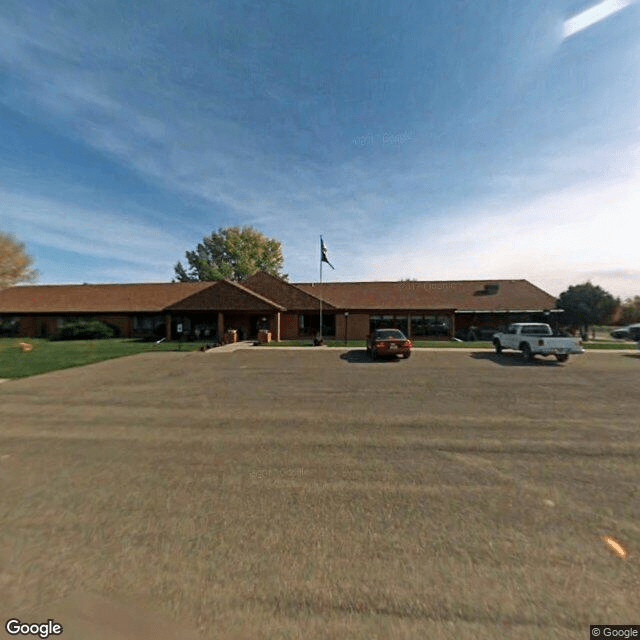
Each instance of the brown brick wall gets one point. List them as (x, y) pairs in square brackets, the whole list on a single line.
[(357, 325), (123, 322), (28, 327), (46, 326), (289, 324)]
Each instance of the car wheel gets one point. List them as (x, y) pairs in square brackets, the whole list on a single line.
[(562, 357), (498, 346), (406, 355), (374, 354), (527, 353)]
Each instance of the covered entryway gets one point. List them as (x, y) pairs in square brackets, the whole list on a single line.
[(228, 305)]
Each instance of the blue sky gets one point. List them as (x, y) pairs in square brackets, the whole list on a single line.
[(433, 140)]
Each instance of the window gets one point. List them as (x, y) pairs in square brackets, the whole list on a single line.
[(389, 334), (431, 325), (536, 330), (146, 323), (401, 323)]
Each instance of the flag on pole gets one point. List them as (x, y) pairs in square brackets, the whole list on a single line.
[(323, 251)]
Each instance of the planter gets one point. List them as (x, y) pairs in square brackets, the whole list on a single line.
[(264, 336)]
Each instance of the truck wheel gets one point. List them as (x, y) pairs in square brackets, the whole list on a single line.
[(562, 357), (498, 346), (527, 353)]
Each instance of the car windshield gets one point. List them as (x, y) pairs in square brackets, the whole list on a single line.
[(390, 334)]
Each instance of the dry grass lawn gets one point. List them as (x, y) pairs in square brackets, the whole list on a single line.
[(293, 494)]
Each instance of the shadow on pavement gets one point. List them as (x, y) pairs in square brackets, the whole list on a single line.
[(360, 356), (631, 355), (516, 359)]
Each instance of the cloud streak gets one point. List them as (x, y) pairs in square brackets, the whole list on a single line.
[(591, 16), (93, 233)]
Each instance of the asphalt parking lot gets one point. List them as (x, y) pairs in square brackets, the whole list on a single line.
[(272, 493)]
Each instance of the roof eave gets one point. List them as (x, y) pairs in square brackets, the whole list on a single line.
[(507, 310)]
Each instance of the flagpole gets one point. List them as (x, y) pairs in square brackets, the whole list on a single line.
[(320, 289)]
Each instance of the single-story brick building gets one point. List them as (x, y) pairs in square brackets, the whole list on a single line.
[(433, 309), (350, 309)]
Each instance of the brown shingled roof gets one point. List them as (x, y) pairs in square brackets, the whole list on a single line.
[(94, 298), (287, 294), (264, 291), (461, 295)]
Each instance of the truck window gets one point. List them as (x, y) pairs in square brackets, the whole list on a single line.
[(536, 330)]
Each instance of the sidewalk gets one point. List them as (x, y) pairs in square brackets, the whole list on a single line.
[(248, 344), (234, 346)]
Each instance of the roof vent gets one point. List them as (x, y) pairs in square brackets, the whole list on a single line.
[(491, 289)]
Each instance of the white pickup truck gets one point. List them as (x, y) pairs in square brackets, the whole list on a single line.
[(533, 338)]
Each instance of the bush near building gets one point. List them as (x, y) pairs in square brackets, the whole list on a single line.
[(88, 330)]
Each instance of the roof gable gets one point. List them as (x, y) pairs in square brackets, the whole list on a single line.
[(225, 295), (283, 292)]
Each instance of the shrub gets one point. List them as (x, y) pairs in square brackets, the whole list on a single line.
[(117, 333), (85, 330)]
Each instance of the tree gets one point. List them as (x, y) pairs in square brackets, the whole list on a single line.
[(233, 253), (629, 311), (586, 304), (15, 264)]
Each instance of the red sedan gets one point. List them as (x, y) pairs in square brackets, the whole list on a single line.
[(388, 343)]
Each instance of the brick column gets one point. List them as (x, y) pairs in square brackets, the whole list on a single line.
[(220, 327)]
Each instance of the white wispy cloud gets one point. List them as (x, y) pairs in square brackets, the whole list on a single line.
[(594, 14), (91, 232), (565, 236)]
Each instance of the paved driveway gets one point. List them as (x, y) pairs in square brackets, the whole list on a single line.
[(276, 493)]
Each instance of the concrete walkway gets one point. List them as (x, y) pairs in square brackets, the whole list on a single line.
[(234, 346), (248, 344)]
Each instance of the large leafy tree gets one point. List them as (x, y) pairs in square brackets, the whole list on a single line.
[(586, 304), (15, 264), (235, 253)]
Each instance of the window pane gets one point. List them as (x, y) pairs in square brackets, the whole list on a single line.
[(417, 326), (401, 323)]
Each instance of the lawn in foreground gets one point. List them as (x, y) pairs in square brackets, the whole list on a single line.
[(275, 494), (50, 355)]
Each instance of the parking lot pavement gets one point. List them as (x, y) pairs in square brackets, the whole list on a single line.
[(449, 495)]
